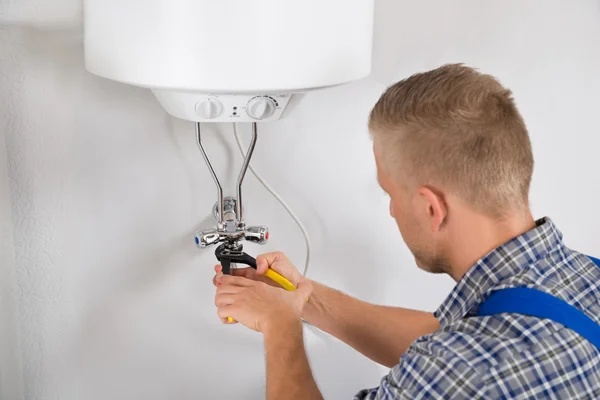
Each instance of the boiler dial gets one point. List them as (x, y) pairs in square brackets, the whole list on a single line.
[(260, 107), (209, 108)]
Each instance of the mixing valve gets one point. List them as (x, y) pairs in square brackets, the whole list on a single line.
[(228, 211)]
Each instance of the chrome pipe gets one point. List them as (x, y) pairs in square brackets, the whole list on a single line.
[(240, 180), (213, 173)]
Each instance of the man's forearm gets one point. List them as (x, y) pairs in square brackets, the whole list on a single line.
[(288, 372), (381, 333)]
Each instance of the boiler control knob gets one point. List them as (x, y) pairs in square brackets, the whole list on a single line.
[(260, 107), (209, 108)]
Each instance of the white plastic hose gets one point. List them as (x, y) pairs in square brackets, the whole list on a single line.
[(278, 198)]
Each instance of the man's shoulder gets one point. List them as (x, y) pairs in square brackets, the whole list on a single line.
[(566, 274), (513, 354), (486, 356), (484, 342)]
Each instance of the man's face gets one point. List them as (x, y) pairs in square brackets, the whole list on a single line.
[(410, 211)]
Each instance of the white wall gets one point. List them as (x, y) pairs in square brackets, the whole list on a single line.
[(115, 300), (11, 373)]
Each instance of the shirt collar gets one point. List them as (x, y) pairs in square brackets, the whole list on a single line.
[(502, 262)]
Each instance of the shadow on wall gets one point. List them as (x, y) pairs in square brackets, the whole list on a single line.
[(43, 14)]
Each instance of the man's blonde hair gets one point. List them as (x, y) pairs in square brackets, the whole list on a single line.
[(460, 130)]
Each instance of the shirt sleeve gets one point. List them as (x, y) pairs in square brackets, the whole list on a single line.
[(428, 372)]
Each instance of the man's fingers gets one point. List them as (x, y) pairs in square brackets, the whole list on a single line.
[(229, 289), (233, 280), (245, 272), (225, 299), (248, 273), (224, 313), (218, 271), (264, 261)]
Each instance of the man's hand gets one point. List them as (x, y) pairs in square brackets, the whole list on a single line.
[(256, 301), (262, 305), (259, 306), (276, 260)]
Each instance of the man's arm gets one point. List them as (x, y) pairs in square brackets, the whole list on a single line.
[(288, 371), (381, 333)]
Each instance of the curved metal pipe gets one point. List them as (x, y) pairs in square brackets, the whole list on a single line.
[(240, 180), (213, 173)]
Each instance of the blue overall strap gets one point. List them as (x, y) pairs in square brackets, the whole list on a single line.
[(535, 303)]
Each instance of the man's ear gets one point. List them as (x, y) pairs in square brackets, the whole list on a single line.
[(435, 205)]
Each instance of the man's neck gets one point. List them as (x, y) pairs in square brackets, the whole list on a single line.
[(478, 235)]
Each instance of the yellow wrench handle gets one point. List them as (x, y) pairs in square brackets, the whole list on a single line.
[(280, 279)]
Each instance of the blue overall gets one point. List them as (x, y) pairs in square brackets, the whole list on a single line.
[(526, 301)]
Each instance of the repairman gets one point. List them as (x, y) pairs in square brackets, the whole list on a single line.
[(454, 155)]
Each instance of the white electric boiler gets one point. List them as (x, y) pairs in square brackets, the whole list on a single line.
[(228, 60)]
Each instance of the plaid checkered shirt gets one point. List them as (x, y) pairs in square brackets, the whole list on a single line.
[(506, 356)]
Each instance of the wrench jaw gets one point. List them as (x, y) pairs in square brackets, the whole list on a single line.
[(224, 260), (233, 253)]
